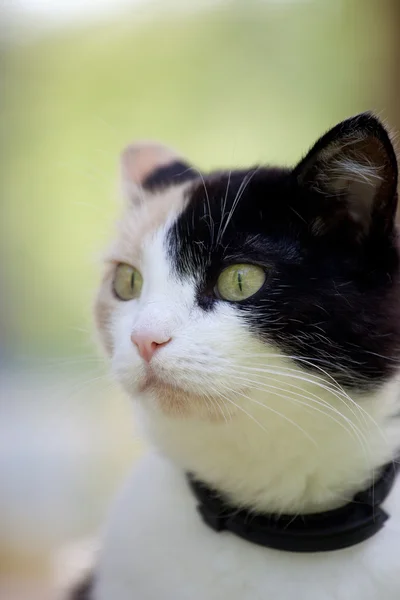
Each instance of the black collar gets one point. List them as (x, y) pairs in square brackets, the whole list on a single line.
[(320, 532)]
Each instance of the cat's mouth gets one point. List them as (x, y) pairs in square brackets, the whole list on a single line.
[(153, 382), (162, 382), (177, 399)]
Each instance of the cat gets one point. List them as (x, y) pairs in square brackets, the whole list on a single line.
[(253, 316)]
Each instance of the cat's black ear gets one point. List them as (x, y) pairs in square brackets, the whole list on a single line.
[(354, 167), (149, 166)]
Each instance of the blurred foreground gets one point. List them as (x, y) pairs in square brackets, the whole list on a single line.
[(65, 443)]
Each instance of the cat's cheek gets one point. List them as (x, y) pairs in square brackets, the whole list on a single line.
[(127, 371), (125, 361), (121, 326)]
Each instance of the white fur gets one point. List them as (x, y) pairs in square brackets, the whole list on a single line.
[(283, 440), (157, 548)]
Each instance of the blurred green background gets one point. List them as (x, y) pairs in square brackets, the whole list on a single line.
[(227, 83)]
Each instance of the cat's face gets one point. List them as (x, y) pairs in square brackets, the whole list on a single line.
[(218, 287), (167, 343)]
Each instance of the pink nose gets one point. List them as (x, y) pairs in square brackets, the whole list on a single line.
[(148, 343)]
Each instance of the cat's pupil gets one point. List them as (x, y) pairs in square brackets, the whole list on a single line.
[(132, 281), (240, 282)]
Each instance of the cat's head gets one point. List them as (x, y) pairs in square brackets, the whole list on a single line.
[(229, 292)]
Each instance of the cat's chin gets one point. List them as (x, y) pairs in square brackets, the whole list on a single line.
[(176, 400)]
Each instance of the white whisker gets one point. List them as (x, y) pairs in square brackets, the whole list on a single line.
[(268, 408), (240, 192)]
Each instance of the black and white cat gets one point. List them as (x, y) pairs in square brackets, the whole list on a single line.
[(253, 316)]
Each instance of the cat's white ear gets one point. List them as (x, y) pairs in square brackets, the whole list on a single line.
[(149, 165), (354, 167)]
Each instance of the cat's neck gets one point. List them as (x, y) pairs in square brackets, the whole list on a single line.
[(285, 456)]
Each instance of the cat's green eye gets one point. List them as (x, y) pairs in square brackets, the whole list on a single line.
[(127, 282), (239, 282)]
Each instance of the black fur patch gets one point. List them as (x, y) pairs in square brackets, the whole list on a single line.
[(172, 174), (332, 300)]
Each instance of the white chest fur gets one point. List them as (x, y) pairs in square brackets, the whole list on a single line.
[(157, 548)]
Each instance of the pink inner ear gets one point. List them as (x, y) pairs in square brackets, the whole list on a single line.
[(139, 160)]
